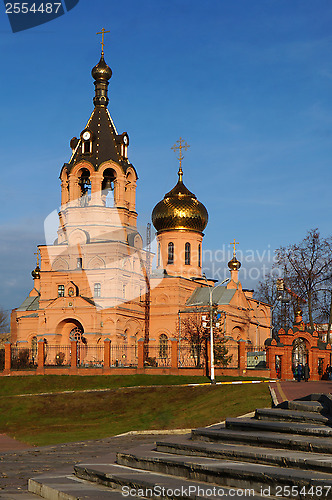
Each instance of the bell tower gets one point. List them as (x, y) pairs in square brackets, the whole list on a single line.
[(98, 184)]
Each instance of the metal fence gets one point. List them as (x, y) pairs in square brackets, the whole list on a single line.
[(57, 355), (2, 360), (124, 356), (90, 356), (226, 355), (159, 356), (256, 357), (23, 358), (192, 355)]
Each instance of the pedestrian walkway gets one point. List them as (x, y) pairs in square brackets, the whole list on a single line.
[(291, 389), (9, 444)]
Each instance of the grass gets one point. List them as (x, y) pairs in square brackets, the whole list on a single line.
[(59, 418), (36, 384)]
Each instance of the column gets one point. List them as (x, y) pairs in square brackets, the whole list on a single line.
[(8, 357), (242, 361), (174, 353), (40, 355), (107, 353), (140, 344)]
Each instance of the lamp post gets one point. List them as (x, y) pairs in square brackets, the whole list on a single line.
[(211, 289)]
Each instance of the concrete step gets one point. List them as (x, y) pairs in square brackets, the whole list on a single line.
[(265, 439), (291, 416), (298, 405), (70, 487), (153, 484), (19, 496), (240, 452), (274, 426), (230, 473)]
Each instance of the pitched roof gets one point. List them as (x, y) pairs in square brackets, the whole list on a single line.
[(106, 142), (220, 295), (30, 304)]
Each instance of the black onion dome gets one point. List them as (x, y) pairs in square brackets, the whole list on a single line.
[(101, 71)]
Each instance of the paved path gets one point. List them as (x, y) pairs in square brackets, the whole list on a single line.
[(294, 390), (17, 466), (9, 444)]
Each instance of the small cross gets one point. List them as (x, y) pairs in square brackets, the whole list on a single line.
[(233, 245), (181, 145), (102, 33), (37, 255)]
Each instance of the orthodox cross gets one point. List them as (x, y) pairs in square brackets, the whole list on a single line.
[(233, 243), (37, 255), (179, 146), (102, 33)]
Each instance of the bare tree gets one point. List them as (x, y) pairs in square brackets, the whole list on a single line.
[(306, 271), (4, 324), (4, 327), (195, 329)]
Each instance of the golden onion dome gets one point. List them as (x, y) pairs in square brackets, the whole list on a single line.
[(234, 264), (180, 209), (36, 273)]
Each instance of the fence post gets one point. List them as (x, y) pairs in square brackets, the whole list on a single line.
[(73, 358), (8, 357), (242, 361), (107, 353), (40, 355), (140, 361), (174, 353)]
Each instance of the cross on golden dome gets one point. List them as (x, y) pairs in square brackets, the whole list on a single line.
[(179, 146), (102, 33), (233, 245), (37, 256)]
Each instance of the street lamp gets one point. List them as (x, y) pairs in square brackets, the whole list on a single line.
[(211, 289)]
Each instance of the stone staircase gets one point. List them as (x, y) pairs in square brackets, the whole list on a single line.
[(283, 452)]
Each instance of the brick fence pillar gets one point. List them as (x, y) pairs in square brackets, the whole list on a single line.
[(107, 353), (8, 357), (140, 363), (174, 353), (73, 358), (242, 356), (40, 356)]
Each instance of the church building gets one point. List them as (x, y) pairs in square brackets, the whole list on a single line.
[(97, 282)]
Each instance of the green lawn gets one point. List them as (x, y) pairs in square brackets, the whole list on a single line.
[(58, 418), (35, 384)]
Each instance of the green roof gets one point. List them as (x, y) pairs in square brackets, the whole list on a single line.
[(220, 295), (30, 304)]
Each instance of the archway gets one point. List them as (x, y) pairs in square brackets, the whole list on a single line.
[(299, 352), (70, 329)]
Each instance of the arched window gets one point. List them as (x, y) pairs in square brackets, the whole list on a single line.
[(85, 185), (163, 346), (199, 256), (97, 290), (187, 254), (170, 259), (108, 187), (158, 261)]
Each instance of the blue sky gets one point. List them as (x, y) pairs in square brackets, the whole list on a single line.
[(246, 84)]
